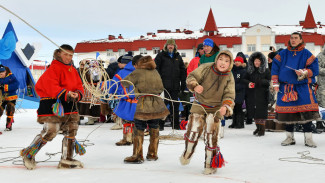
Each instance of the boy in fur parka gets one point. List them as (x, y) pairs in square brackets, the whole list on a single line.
[(214, 90), (150, 109), (60, 82)]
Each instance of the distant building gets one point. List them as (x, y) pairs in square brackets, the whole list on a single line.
[(244, 38), (37, 68)]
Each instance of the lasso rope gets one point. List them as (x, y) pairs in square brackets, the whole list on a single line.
[(304, 156)]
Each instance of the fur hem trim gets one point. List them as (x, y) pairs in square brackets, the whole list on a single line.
[(150, 116), (297, 122), (56, 119)]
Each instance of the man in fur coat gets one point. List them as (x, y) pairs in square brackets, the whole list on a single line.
[(293, 72), (8, 87), (171, 68), (60, 83), (149, 110), (214, 90)]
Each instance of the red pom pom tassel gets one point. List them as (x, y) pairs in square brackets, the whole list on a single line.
[(217, 161)]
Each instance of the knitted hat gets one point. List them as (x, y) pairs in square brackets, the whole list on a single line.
[(208, 42), (2, 68), (239, 59), (126, 59)]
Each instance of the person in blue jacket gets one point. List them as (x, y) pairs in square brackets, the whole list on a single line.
[(8, 87)]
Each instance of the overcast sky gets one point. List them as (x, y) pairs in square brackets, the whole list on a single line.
[(72, 21)]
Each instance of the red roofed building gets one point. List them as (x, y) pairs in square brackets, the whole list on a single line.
[(309, 20), (243, 38)]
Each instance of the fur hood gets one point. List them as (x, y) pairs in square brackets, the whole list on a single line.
[(227, 52), (146, 63), (250, 64)]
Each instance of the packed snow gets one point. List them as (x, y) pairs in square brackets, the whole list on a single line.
[(249, 158)]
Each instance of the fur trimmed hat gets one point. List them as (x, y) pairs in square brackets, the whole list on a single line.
[(256, 55), (170, 41)]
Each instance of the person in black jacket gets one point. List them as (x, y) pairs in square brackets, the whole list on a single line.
[(171, 68), (257, 80), (113, 67), (239, 72)]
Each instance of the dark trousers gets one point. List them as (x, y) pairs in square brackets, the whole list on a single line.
[(142, 125), (307, 127), (173, 107)]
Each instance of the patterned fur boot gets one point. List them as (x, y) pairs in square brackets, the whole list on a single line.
[(67, 161), (211, 147), (137, 156), (153, 146), (192, 135), (126, 141), (28, 154)]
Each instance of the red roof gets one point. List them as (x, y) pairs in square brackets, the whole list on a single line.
[(149, 44), (37, 67), (318, 39), (210, 24), (309, 20)]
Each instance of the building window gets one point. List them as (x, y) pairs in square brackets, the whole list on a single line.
[(121, 52), (278, 46), (237, 48), (265, 47), (155, 50), (183, 54), (110, 52), (251, 47), (222, 47), (143, 50), (310, 46)]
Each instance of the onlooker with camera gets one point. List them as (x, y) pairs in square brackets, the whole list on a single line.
[(257, 80)]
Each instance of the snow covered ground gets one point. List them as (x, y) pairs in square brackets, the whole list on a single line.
[(249, 158)]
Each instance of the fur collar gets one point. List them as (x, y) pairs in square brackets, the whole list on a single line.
[(251, 68), (146, 63)]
